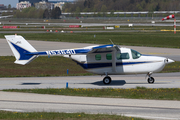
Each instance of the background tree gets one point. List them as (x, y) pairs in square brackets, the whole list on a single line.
[(30, 12), (9, 6), (103, 8), (157, 7), (123, 5), (46, 14), (55, 13)]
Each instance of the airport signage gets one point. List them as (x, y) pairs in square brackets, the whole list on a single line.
[(117, 26), (109, 28), (11, 27), (74, 26)]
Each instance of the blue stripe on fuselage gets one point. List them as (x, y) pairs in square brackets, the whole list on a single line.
[(77, 51), (103, 46), (102, 65)]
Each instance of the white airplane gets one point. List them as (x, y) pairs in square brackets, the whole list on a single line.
[(103, 60)]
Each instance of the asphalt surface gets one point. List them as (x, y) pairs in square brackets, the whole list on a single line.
[(110, 23), (82, 31), (150, 109), (162, 80)]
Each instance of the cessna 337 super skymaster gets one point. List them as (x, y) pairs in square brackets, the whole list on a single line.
[(103, 60)]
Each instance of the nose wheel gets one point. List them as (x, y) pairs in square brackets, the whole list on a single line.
[(150, 80), (107, 80)]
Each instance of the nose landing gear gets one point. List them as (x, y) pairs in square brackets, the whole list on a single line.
[(150, 79)]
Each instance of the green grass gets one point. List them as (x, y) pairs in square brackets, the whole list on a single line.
[(60, 116), (134, 93), (173, 67), (154, 39), (42, 66), (53, 66)]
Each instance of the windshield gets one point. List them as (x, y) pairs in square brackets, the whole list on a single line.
[(135, 54)]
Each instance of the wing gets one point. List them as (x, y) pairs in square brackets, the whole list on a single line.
[(104, 49), (85, 50)]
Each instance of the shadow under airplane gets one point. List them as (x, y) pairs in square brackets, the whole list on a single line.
[(114, 82), (30, 83)]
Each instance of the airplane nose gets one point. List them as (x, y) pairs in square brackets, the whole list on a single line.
[(167, 61)]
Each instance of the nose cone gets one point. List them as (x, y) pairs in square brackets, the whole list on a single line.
[(167, 61)]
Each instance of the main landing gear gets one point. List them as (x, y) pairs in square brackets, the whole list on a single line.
[(107, 80), (150, 79)]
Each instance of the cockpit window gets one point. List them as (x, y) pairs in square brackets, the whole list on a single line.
[(121, 56), (135, 54)]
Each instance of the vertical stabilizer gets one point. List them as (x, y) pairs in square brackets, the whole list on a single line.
[(21, 49)]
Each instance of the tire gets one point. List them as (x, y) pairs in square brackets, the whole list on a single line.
[(107, 80), (151, 80)]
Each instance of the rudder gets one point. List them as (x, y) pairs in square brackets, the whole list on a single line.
[(21, 49)]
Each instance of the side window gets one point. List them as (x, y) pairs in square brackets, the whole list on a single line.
[(121, 56), (98, 57), (109, 56), (118, 56)]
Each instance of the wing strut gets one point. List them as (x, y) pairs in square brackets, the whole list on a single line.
[(114, 60)]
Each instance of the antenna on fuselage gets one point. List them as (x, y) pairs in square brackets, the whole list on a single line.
[(111, 41), (117, 47)]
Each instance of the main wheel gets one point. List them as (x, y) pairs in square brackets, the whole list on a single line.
[(151, 80), (107, 80)]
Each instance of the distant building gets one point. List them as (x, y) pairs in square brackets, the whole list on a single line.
[(33, 1), (57, 1), (43, 5), (60, 5), (23, 5), (2, 6)]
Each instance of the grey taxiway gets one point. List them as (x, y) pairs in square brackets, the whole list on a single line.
[(150, 109)]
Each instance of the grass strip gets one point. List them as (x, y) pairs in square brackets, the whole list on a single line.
[(40, 67), (60, 116), (133, 93), (53, 66), (142, 38)]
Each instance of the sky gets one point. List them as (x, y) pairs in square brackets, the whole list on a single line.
[(7, 2)]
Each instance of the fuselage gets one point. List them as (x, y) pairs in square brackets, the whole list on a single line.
[(125, 61), (100, 59)]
